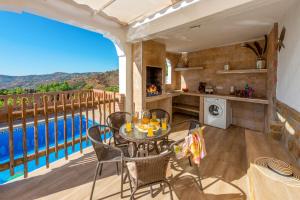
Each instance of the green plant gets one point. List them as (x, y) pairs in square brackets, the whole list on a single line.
[(113, 88), (257, 49)]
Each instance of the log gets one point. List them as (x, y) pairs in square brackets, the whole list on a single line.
[(73, 125), (45, 101), (93, 108), (114, 102), (36, 133), (11, 139), (86, 118), (65, 126), (99, 109), (104, 105), (55, 129), (24, 139), (80, 122)]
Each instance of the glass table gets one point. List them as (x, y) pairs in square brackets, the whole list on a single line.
[(140, 141)]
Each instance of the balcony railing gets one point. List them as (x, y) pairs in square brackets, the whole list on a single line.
[(21, 110)]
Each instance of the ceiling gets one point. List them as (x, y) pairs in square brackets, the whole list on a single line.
[(191, 25), (224, 28), (127, 11)]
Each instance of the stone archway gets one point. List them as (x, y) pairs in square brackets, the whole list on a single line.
[(68, 12)]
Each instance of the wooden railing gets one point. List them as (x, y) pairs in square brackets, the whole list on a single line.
[(19, 110)]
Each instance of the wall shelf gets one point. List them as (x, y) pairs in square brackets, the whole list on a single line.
[(180, 69), (243, 71), (185, 107)]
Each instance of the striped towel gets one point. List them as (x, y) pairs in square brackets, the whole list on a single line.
[(194, 145)]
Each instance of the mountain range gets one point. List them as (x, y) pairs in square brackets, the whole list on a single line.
[(98, 80)]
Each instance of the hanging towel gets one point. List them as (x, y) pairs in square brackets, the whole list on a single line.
[(194, 145)]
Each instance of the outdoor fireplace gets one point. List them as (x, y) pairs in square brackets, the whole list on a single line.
[(153, 81)]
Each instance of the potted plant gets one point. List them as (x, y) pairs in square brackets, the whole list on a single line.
[(184, 61), (259, 52)]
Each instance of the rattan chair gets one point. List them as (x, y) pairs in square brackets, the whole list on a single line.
[(115, 121), (160, 113), (105, 153), (148, 171), (192, 124)]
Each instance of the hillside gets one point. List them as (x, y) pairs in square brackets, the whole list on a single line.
[(98, 80)]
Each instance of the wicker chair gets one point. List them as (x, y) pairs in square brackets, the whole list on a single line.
[(192, 125), (115, 121), (105, 153), (148, 171), (160, 113)]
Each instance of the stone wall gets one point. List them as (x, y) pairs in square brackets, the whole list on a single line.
[(174, 59), (290, 133), (246, 115), (214, 59), (145, 53)]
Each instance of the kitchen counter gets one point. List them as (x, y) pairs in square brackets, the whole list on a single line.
[(161, 97), (228, 97)]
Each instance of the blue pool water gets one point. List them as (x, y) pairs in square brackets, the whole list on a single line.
[(18, 149)]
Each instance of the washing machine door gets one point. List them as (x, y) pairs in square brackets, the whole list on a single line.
[(215, 110)]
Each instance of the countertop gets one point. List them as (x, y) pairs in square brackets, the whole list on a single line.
[(228, 97), (162, 96), (221, 96)]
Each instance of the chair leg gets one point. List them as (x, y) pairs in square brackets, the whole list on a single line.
[(117, 168), (151, 191), (122, 181), (95, 178), (130, 185), (100, 169), (190, 161), (162, 186), (156, 147), (171, 195), (199, 176), (132, 194)]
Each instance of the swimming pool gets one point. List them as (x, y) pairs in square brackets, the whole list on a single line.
[(18, 149)]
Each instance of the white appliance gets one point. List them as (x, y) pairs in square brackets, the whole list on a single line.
[(217, 112)]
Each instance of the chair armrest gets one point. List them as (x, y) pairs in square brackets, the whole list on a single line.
[(114, 148), (106, 146), (113, 128)]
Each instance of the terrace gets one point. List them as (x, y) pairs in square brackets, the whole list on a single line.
[(188, 58)]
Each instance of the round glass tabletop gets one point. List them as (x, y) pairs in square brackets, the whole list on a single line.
[(142, 137)]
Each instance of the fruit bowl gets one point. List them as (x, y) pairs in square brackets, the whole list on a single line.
[(144, 127)]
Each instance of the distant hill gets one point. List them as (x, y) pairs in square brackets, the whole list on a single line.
[(98, 80)]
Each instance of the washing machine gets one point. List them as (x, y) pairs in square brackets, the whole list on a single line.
[(217, 112)]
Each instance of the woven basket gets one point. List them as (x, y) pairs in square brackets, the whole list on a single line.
[(278, 166)]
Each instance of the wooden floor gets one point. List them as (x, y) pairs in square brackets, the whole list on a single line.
[(223, 174)]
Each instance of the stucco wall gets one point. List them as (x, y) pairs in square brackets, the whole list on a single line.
[(288, 88)]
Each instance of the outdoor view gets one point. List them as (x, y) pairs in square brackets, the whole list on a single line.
[(42, 55), (62, 79)]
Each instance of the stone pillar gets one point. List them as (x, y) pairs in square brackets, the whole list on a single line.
[(122, 103), (125, 76), (272, 60)]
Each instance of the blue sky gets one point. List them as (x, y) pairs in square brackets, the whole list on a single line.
[(31, 44)]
